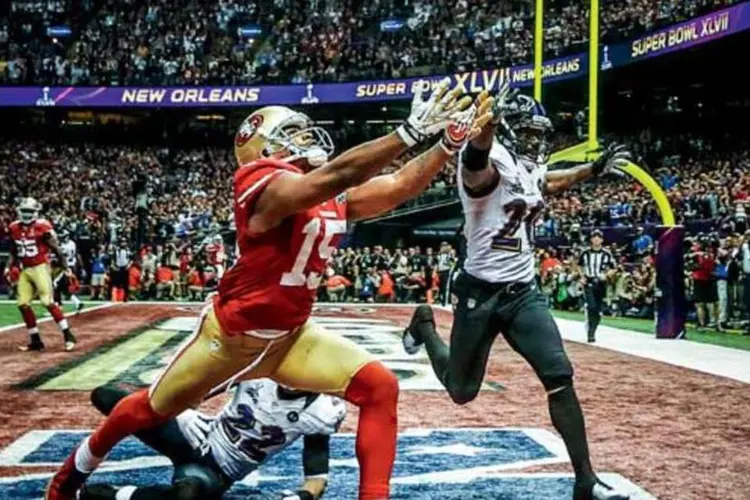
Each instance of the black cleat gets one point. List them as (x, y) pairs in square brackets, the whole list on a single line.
[(412, 340), (70, 341), (32, 346), (597, 491), (97, 492)]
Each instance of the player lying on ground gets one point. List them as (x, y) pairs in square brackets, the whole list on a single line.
[(291, 206), (210, 453), (32, 239), (502, 180)]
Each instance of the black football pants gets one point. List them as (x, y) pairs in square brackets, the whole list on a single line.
[(520, 313)]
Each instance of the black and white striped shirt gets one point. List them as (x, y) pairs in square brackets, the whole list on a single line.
[(594, 263)]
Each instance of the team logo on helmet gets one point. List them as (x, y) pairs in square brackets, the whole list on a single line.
[(247, 130)]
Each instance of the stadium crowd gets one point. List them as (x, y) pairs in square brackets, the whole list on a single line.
[(159, 42)]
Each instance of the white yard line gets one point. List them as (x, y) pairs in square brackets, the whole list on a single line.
[(707, 358), (45, 320)]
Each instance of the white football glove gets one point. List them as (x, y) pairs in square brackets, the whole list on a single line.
[(428, 117), (194, 426), (467, 124)]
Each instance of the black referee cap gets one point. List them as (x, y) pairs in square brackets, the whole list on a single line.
[(597, 232)]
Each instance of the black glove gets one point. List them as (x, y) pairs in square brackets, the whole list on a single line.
[(614, 156)]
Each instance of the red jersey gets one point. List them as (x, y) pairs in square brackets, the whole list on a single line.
[(29, 240), (215, 254), (274, 282)]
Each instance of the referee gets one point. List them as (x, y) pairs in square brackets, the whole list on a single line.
[(594, 263)]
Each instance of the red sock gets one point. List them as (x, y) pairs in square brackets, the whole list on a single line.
[(56, 313), (28, 317), (132, 414), (375, 390)]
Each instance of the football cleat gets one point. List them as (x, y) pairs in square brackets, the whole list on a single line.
[(97, 492), (33, 346), (412, 340), (66, 482), (70, 341), (598, 491)]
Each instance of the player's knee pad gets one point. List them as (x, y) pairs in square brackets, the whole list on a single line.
[(196, 482), (106, 397), (464, 393), (46, 300)]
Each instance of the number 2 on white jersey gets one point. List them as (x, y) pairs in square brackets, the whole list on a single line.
[(296, 277)]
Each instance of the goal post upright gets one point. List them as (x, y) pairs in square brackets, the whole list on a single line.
[(670, 305)]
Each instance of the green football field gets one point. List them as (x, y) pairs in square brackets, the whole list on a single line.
[(9, 314), (731, 338)]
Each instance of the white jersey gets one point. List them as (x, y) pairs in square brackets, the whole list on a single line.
[(257, 424), (499, 225), (70, 251)]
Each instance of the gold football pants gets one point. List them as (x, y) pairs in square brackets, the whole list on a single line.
[(308, 358), (33, 281)]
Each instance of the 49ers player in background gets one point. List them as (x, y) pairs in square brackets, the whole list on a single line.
[(291, 205), (215, 254), (32, 239)]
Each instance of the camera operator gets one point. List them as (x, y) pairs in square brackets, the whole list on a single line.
[(703, 259)]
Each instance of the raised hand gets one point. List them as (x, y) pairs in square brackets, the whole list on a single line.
[(614, 157), (468, 124), (430, 116)]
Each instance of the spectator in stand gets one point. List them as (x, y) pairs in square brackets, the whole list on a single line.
[(121, 260), (704, 283), (196, 284), (135, 282), (336, 285), (99, 274), (745, 259), (165, 282), (386, 291), (446, 260)]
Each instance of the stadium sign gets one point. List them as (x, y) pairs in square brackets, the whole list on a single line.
[(680, 36)]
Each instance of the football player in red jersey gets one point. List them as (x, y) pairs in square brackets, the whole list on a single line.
[(215, 254), (32, 240), (290, 215)]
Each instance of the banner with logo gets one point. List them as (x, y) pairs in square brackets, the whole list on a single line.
[(677, 37)]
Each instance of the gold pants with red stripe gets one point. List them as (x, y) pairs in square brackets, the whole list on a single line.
[(309, 358), (35, 281)]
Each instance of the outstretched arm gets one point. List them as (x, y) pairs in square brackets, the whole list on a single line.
[(290, 193), (615, 156), (557, 181), (386, 192)]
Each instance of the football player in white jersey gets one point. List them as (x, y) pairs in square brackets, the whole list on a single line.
[(502, 181), (62, 282), (211, 453)]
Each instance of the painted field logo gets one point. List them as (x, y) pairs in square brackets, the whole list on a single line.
[(449, 464), (137, 357)]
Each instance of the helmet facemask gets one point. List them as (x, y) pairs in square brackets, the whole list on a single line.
[(532, 138), (304, 140), (28, 211)]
